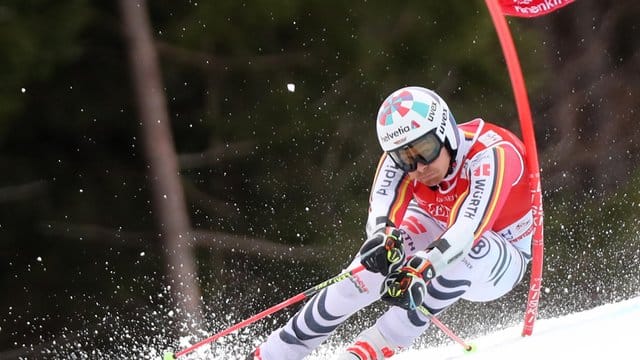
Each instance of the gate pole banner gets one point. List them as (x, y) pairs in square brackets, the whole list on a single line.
[(528, 136), (531, 8), (526, 8)]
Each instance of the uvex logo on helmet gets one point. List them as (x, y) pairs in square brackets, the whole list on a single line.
[(398, 135)]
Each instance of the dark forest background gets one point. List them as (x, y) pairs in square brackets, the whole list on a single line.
[(160, 178)]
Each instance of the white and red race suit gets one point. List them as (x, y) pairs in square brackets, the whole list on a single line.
[(478, 223), (489, 172)]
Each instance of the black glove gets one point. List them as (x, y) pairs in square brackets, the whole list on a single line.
[(406, 287), (384, 252)]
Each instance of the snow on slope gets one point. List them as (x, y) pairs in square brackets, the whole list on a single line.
[(606, 332)]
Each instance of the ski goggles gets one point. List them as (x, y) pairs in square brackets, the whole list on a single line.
[(424, 149)]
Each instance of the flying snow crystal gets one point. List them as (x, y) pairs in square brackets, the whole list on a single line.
[(291, 87), (23, 90)]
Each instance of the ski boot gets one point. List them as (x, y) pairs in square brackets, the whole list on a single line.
[(255, 355), (369, 345)]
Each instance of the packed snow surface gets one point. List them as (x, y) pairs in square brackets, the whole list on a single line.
[(606, 332)]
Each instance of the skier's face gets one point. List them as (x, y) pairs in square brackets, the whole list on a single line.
[(433, 173)]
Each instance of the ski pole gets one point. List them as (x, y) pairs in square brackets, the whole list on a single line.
[(467, 347), (301, 296)]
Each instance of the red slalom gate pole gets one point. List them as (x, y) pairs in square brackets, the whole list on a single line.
[(297, 298), (526, 124)]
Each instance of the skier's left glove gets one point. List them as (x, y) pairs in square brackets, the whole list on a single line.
[(406, 288), (384, 252)]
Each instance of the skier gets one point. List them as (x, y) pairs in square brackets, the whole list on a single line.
[(450, 218)]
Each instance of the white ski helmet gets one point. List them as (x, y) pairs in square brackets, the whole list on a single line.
[(413, 124)]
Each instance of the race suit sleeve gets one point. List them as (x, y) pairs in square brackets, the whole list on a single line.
[(492, 173), (390, 195)]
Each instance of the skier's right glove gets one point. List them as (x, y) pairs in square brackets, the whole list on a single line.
[(384, 252), (406, 288)]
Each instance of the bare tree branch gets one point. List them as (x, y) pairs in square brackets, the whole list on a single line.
[(221, 241), (212, 155), (254, 63), (21, 192), (212, 206)]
